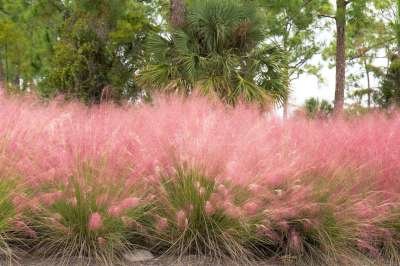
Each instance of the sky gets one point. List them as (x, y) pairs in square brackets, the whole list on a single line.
[(307, 86)]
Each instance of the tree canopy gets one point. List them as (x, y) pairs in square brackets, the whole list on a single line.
[(218, 49), (249, 50)]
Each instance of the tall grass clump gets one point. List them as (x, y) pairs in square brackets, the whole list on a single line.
[(8, 218), (10, 209), (91, 213), (198, 215), (192, 176)]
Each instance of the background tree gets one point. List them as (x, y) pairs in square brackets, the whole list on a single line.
[(249, 49), (16, 58), (340, 18), (85, 49), (293, 26), (389, 93), (359, 35), (99, 48), (389, 90), (219, 50), (315, 108), (366, 39)]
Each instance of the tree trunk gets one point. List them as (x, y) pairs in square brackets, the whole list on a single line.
[(285, 109), (1, 78), (177, 13), (286, 101), (1, 74), (397, 27), (368, 84), (340, 56), (5, 84)]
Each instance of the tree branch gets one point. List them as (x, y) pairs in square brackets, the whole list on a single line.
[(326, 16), (367, 49)]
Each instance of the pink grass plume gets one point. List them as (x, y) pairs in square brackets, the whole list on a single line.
[(95, 221)]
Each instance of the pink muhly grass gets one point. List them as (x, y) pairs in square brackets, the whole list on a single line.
[(254, 188), (250, 208), (56, 216), (222, 190), (20, 202), (129, 203), (102, 200), (209, 208), (50, 198), (367, 247), (115, 211), (295, 243), (73, 201), (95, 221), (231, 210), (236, 144), (162, 224), (201, 191), (264, 231), (128, 221), (102, 241), (181, 219), (283, 168), (24, 228)]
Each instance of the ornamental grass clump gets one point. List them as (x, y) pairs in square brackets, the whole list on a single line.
[(8, 218), (87, 216), (300, 222), (195, 214)]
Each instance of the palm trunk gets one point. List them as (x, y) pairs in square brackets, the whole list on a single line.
[(285, 109), (368, 84), (287, 78), (1, 75), (340, 56), (6, 65), (177, 13), (286, 101)]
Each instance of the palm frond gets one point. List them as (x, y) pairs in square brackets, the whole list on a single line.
[(219, 51)]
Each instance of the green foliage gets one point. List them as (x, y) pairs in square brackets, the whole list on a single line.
[(366, 35), (98, 50), (389, 91), (201, 231), (315, 108), (219, 51), (7, 215), (83, 49), (294, 24), (12, 49), (25, 45), (235, 50), (63, 222)]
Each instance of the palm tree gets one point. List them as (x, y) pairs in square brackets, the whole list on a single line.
[(218, 50), (315, 108)]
